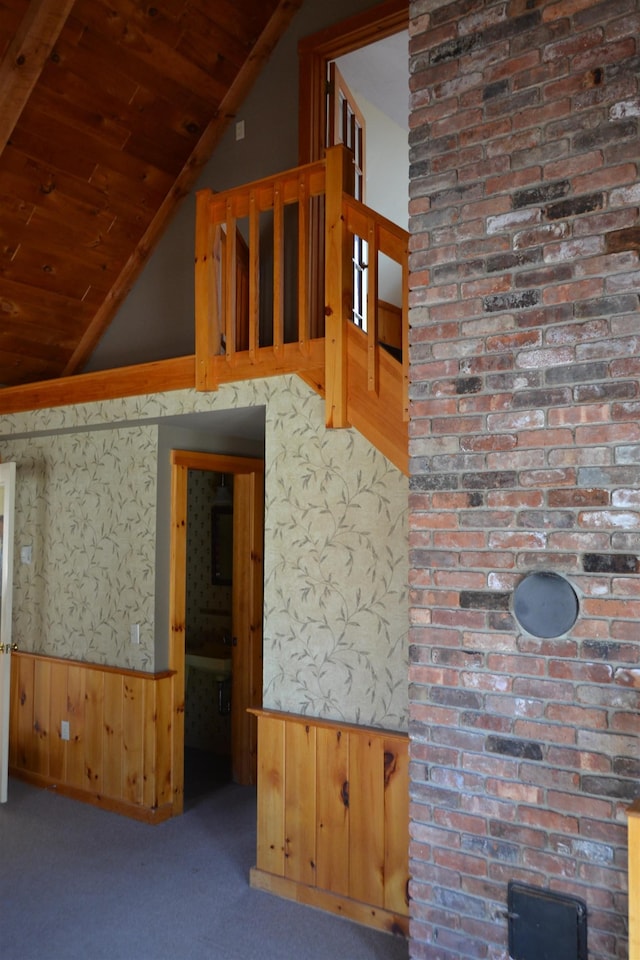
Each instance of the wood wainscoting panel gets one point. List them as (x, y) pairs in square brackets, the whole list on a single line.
[(118, 755), (333, 817)]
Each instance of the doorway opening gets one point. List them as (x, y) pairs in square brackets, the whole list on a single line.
[(217, 521), (208, 632), (354, 83)]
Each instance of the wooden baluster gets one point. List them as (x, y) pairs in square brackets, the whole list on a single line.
[(304, 303), (230, 270), (254, 276), (338, 285), (278, 269), (372, 307)]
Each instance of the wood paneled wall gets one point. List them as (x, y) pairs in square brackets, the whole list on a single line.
[(634, 881), (333, 818), (118, 755)]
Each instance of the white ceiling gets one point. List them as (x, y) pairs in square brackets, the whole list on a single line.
[(380, 72)]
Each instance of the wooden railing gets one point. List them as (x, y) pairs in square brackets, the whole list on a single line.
[(274, 286), (233, 338)]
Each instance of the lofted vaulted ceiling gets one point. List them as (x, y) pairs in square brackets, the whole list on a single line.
[(108, 111)]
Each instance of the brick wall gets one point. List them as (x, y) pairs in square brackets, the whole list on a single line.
[(525, 456)]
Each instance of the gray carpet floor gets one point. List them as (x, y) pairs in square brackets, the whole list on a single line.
[(77, 883)]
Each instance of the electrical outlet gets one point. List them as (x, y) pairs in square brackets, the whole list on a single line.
[(135, 633), (64, 729)]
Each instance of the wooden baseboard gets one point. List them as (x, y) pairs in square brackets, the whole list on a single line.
[(332, 903), (131, 810)]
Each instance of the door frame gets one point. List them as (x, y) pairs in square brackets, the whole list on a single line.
[(249, 685), (317, 50), (8, 482)]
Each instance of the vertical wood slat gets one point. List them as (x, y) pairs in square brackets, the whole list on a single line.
[(338, 289), (76, 678), (366, 814), (333, 810), (160, 765), (229, 282), (133, 738), (112, 734), (271, 809), (372, 307), (396, 820), (93, 726), (41, 715), (300, 803), (57, 712), (304, 310), (120, 725), (25, 735), (254, 276), (278, 268)]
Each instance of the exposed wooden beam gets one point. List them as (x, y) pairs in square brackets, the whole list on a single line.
[(25, 58), (155, 377)]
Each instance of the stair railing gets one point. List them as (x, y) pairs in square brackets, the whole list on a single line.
[(234, 228)]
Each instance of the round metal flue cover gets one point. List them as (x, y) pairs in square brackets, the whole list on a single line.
[(545, 604)]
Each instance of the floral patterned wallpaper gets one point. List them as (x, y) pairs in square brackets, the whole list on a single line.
[(336, 556), (83, 503)]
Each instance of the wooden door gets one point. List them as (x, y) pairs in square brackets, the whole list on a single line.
[(248, 482), (7, 496)]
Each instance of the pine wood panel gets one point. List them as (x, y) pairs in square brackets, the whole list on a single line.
[(119, 751), (366, 814), (335, 797), (270, 855), (634, 880), (300, 803), (333, 804)]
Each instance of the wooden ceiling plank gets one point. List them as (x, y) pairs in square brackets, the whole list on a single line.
[(107, 195), (25, 57)]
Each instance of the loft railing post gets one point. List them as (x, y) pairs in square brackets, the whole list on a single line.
[(207, 312), (338, 283)]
